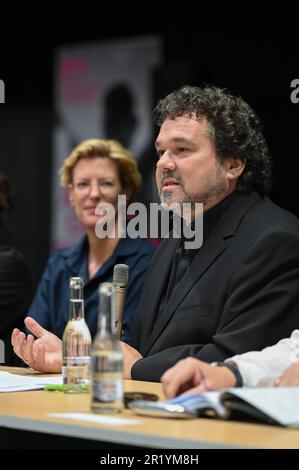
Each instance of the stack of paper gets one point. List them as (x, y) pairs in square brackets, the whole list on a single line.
[(17, 383)]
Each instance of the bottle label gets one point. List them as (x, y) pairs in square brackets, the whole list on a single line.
[(76, 360), (107, 390)]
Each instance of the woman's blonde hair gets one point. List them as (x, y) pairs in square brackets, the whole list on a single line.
[(129, 175)]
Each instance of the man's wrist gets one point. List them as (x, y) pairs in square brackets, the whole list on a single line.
[(233, 367)]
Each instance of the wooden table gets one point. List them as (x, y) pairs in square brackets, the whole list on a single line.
[(29, 411)]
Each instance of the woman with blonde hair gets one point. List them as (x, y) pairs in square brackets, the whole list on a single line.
[(96, 171)]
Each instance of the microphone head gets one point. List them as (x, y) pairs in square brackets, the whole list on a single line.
[(121, 274)]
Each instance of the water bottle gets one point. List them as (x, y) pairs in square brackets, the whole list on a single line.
[(76, 344), (106, 359)]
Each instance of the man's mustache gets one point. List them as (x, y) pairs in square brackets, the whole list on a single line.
[(170, 174)]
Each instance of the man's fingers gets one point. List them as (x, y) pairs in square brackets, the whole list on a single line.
[(19, 343), (199, 389), (184, 375), (170, 389), (28, 349), (170, 383), (39, 362), (14, 334), (35, 327), (23, 346)]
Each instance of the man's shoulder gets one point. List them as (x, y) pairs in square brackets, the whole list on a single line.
[(270, 216), (267, 227)]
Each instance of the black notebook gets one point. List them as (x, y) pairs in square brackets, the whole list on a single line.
[(271, 405)]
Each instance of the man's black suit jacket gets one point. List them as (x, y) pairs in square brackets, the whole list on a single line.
[(240, 293)]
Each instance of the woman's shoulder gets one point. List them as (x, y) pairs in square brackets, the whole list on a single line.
[(68, 252)]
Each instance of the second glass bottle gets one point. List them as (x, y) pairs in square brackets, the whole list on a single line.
[(107, 359)]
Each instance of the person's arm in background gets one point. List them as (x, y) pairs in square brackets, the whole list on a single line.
[(290, 377), (264, 367), (275, 365)]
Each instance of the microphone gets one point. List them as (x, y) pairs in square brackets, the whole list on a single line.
[(120, 284)]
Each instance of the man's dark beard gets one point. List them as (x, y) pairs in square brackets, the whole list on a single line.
[(192, 198)]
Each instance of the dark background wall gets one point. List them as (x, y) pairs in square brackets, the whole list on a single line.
[(259, 70)]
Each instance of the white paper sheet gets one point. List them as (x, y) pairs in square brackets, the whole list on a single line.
[(18, 383), (92, 418), (280, 403)]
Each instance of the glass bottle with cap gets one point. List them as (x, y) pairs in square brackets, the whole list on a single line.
[(106, 359), (76, 343)]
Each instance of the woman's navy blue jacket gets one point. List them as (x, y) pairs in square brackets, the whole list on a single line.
[(50, 306)]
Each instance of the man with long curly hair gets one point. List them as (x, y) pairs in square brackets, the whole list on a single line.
[(238, 291)]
